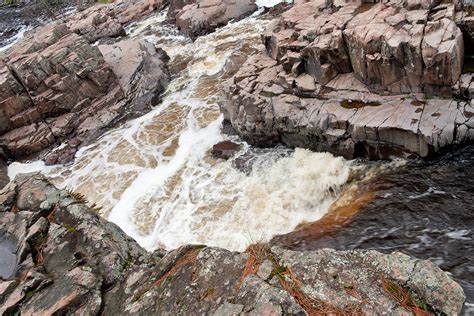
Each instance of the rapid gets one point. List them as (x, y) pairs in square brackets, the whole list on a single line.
[(155, 177)]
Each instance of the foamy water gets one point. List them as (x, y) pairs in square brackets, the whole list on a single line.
[(154, 176)]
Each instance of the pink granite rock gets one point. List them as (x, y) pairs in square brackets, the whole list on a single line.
[(56, 87), (199, 17), (374, 71)]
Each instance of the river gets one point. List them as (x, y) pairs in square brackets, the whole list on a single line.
[(154, 176)]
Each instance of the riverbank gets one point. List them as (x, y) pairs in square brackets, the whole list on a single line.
[(71, 260), (358, 80)]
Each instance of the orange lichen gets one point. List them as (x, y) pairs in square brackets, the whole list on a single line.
[(313, 307), (187, 259)]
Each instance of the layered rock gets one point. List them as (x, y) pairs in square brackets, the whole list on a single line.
[(105, 21), (199, 17), (66, 259), (56, 86), (357, 80)]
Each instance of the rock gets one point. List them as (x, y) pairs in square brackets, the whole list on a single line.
[(141, 70), (225, 149), (3, 172), (200, 17), (72, 261), (107, 21), (372, 80), (55, 87), (128, 11)]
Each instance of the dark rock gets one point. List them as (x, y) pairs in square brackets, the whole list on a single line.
[(225, 149), (3, 172)]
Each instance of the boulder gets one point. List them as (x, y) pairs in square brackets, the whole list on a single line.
[(69, 260), (225, 149), (200, 17), (141, 70)]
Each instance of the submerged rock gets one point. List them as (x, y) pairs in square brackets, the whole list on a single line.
[(73, 261), (374, 80), (225, 149)]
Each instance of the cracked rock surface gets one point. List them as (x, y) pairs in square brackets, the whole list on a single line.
[(57, 87), (373, 80), (69, 260)]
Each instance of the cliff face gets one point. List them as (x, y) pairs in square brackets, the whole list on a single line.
[(59, 256), (358, 79)]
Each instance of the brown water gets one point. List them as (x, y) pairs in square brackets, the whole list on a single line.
[(155, 176), (424, 209)]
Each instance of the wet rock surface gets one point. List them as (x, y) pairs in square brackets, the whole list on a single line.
[(71, 260), (199, 17), (225, 149), (57, 87), (374, 80), (23, 15)]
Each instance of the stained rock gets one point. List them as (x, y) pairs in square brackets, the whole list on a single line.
[(225, 149)]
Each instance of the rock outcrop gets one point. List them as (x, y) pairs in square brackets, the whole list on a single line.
[(199, 17), (56, 86), (357, 80), (107, 21), (63, 258)]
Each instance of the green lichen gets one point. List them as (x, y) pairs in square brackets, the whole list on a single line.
[(70, 229), (29, 294)]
